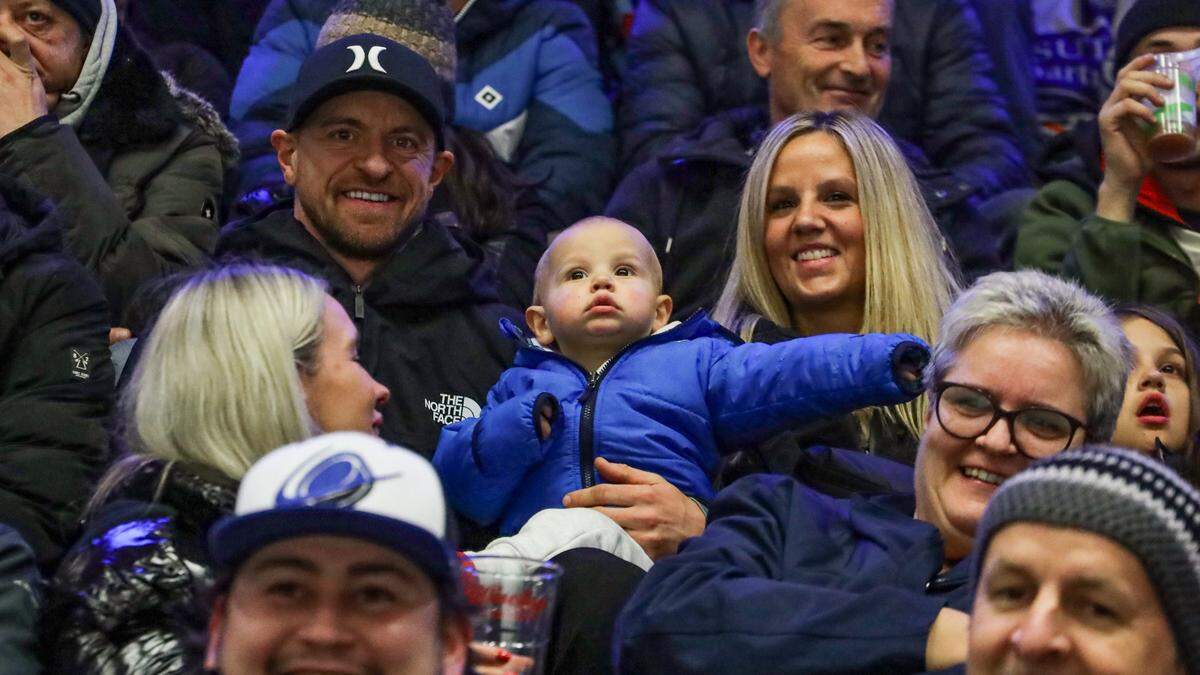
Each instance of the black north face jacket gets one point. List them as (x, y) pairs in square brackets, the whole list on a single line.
[(427, 320), (56, 380)]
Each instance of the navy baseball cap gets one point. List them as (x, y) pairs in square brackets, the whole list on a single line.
[(367, 61), (344, 484)]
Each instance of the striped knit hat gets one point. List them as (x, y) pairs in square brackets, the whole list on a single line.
[(1124, 496), (424, 26)]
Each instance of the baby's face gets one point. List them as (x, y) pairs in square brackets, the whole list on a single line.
[(601, 289)]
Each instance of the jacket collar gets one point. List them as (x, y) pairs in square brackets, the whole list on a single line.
[(697, 325), (436, 266), (730, 137), (1152, 197)]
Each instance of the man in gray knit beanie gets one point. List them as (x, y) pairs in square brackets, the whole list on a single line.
[(1089, 562), (424, 26)]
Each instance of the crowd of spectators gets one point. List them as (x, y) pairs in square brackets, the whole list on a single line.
[(846, 336)]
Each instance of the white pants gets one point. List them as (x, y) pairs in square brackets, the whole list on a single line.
[(553, 531)]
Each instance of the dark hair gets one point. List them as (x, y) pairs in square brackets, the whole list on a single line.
[(482, 190), (1191, 359)]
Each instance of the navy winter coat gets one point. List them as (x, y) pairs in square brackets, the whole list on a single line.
[(786, 579), (671, 403)]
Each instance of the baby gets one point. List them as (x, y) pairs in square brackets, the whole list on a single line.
[(606, 376)]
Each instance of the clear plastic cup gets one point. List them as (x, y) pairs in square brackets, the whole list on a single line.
[(512, 604), (1174, 136)]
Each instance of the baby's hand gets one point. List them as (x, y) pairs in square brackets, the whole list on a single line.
[(908, 364), (545, 411)]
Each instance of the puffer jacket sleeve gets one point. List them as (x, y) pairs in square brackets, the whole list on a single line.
[(286, 34), (661, 97), (56, 383), (483, 460), (964, 125), (175, 226), (757, 390), (128, 598), (568, 150), (734, 599)]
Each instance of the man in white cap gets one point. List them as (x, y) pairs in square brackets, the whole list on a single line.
[(336, 560)]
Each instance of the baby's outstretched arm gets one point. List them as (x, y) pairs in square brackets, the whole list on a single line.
[(757, 390)]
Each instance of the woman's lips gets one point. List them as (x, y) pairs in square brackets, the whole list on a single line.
[(1154, 410)]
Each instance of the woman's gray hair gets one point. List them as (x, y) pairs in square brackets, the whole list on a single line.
[(1051, 308)]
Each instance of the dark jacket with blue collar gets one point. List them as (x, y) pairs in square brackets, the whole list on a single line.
[(670, 403), (787, 579)]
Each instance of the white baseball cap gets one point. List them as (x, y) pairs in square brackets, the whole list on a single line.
[(345, 484)]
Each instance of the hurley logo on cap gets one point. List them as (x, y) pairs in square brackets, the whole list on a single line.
[(337, 481), (370, 57)]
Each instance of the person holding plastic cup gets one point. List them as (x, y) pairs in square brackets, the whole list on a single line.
[(1125, 221)]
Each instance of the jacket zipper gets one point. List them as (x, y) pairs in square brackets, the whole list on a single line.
[(587, 421), (360, 307)]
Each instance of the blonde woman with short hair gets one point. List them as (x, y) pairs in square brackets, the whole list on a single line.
[(834, 237), (243, 359)]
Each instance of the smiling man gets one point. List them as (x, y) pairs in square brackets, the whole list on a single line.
[(363, 147), (336, 561)]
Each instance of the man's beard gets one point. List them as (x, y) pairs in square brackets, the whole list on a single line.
[(348, 243)]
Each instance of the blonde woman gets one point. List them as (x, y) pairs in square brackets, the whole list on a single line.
[(834, 237), (243, 359)]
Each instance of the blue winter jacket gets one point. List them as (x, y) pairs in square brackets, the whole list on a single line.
[(527, 78), (671, 403), (786, 579)]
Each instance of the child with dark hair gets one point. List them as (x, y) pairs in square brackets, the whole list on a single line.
[(1161, 413)]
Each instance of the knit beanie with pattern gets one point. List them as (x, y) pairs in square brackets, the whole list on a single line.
[(1148, 16), (424, 26), (1137, 502)]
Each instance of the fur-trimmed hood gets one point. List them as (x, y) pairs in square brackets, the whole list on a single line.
[(138, 104)]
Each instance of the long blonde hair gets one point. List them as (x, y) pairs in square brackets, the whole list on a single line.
[(219, 382), (909, 278)]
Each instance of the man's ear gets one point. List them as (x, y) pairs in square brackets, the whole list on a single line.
[(285, 153), (535, 318), (456, 630), (212, 651), (662, 311), (760, 52), (442, 163)]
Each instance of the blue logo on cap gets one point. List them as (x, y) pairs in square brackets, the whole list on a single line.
[(338, 481)]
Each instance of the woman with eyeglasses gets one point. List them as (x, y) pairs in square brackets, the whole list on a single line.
[(787, 578)]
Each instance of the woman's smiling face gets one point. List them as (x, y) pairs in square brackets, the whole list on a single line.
[(814, 229), (955, 477)]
